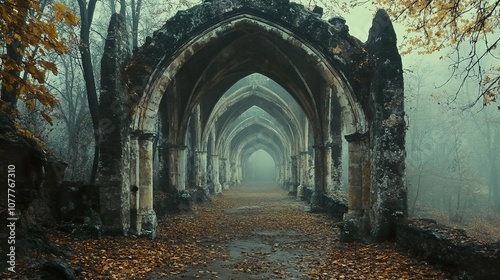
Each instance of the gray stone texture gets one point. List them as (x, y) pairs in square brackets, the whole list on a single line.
[(371, 73), (115, 116), (387, 128)]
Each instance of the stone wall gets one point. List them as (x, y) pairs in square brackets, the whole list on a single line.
[(450, 249), (193, 55), (37, 177), (335, 205)]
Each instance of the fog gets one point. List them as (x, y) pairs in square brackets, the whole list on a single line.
[(260, 167), (452, 146)]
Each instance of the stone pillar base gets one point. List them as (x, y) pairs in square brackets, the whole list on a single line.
[(356, 226), (316, 202), (134, 223), (218, 188), (300, 192), (149, 225)]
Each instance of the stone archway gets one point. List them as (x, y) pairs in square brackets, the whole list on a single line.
[(284, 112), (343, 86)]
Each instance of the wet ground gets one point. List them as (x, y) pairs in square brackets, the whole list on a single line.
[(259, 232), (249, 232), (255, 248)]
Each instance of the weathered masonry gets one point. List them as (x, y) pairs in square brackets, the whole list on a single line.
[(228, 77)]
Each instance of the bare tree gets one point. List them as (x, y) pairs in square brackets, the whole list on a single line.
[(86, 16), (73, 111), (136, 14), (419, 132), (491, 139)]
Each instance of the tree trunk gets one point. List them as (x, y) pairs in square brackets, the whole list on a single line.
[(136, 13), (123, 8), (420, 171), (112, 6), (495, 185), (7, 95), (86, 15)]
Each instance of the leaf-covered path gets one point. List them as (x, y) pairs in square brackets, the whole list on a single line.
[(247, 233)]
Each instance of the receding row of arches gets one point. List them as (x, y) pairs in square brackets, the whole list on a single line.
[(254, 114), (225, 79)]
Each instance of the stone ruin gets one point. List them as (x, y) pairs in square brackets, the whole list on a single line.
[(167, 125)]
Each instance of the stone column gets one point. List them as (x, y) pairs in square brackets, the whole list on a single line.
[(336, 159), (173, 168), (163, 184), (215, 174), (304, 160), (224, 164), (304, 157), (200, 161), (328, 168), (146, 212), (135, 227), (176, 167), (295, 176), (366, 182), (310, 177), (356, 220), (320, 173), (283, 173), (239, 174), (300, 190), (197, 168), (303, 172), (355, 177), (279, 173), (289, 172), (182, 168), (233, 174)]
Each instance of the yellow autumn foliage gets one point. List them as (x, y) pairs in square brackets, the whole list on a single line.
[(433, 25), (33, 34)]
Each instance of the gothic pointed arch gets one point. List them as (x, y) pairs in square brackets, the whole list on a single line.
[(344, 87)]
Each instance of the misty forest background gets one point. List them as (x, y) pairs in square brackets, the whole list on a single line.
[(453, 170)]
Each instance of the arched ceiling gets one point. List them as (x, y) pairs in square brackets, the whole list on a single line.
[(250, 128), (231, 106), (256, 142), (209, 63), (249, 51)]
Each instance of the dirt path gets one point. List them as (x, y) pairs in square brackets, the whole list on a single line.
[(265, 235), (262, 233), (246, 233)]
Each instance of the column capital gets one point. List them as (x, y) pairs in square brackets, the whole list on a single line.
[(175, 147), (320, 147), (357, 137), (135, 134), (146, 136)]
